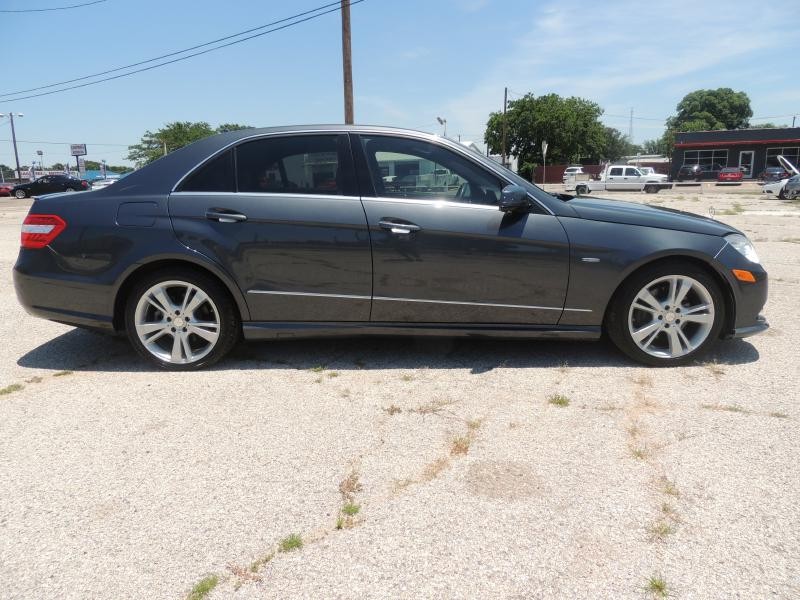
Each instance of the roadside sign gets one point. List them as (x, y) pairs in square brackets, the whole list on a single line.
[(544, 148), (77, 149), (82, 166)]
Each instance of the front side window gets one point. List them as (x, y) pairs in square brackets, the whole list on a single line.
[(632, 172), (406, 168), (303, 164)]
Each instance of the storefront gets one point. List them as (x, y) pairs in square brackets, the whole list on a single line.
[(752, 150)]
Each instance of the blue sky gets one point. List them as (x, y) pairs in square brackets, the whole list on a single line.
[(413, 60)]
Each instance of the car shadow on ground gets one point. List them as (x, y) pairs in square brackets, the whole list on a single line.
[(80, 350)]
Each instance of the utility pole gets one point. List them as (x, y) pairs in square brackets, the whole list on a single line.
[(14, 142), (630, 128), (347, 63), (505, 127), (793, 118)]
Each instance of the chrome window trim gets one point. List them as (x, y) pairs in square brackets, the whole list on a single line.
[(269, 195), (428, 137), (437, 203), (390, 299)]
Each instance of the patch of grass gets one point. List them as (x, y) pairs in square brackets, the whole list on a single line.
[(657, 586), (460, 445), (340, 523), (333, 374), (638, 453), (318, 380), (256, 565), (714, 368), (669, 488), (10, 389), (351, 509), (432, 408), (393, 409), (474, 424), (317, 369), (203, 587), (634, 430), (434, 469), (291, 542), (779, 415), (62, 373), (558, 400), (243, 575), (407, 378), (668, 510), (34, 380), (661, 530), (736, 209)]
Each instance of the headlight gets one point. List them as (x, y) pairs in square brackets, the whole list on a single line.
[(743, 246)]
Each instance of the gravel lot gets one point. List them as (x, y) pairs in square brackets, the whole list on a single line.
[(120, 482)]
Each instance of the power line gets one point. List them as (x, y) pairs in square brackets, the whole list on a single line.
[(163, 56), (64, 143), (294, 21), (30, 10)]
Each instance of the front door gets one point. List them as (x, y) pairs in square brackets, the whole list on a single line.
[(442, 250), (746, 163), (282, 215)]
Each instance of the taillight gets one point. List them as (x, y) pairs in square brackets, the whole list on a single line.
[(40, 230), (85, 184)]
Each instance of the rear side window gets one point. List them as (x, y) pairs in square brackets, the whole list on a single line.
[(214, 176), (617, 171), (302, 164)]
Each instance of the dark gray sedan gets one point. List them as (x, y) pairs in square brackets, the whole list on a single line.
[(342, 230)]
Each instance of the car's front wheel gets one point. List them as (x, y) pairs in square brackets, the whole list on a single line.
[(20, 194), (666, 315), (181, 319)]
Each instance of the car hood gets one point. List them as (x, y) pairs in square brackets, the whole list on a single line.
[(632, 213)]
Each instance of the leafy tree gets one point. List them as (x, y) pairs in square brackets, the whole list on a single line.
[(704, 110), (663, 145), (8, 172), (571, 127), (173, 136), (766, 126), (617, 145)]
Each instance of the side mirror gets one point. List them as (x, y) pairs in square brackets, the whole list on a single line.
[(514, 198)]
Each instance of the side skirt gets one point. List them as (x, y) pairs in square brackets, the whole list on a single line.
[(270, 330)]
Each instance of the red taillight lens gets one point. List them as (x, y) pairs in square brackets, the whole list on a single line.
[(85, 184), (40, 230)]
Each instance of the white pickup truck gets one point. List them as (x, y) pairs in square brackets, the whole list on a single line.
[(620, 177)]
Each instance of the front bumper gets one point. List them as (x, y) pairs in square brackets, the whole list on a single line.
[(743, 332)]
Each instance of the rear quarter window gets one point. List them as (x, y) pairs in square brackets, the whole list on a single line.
[(216, 175)]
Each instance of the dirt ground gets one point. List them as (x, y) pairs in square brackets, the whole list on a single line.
[(404, 468)]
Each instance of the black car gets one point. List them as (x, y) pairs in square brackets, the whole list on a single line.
[(773, 174), (699, 172), (294, 232), (50, 184)]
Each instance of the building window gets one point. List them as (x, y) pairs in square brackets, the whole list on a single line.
[(790, 153), (705, 157)]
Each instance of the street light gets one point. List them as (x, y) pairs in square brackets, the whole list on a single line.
[(14, 139), (40, 154), (443, 122)]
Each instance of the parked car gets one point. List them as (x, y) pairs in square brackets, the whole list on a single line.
[(191, 254), (50, 184), (99, 184), (730, 174), (778, 188), (791, 189), (6, 189), (773, 174), (571, 171), (698, 172)]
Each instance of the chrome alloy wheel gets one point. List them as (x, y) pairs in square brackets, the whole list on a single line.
[(177, 322), (671, 316)]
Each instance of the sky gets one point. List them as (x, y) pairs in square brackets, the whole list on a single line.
[(413, 61)]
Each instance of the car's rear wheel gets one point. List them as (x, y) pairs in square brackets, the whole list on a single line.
[(181, 320), (666, 315), (651, 189), (69, 189), (20, 194)]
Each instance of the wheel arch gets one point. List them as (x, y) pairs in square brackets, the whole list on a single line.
[(724, 284), (140, 270)]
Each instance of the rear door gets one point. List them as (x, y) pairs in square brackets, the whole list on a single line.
[(282, 215), (443, 252)]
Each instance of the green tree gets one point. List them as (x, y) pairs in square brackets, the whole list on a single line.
[(705, 110), (8, 172), (170, 137), (617, 145), (232, 127), (570, 126)]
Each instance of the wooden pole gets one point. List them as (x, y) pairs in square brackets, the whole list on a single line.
[(347, 63)]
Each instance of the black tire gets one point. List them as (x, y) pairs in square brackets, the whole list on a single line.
[(581, 190), (782, 194), (616, 322), (20, 194), (650, 189), (226, 313), (69, 189)]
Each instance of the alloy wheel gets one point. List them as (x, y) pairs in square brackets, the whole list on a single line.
[(671, 316), (177, 322)]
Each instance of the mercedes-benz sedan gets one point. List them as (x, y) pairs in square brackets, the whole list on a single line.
[(348, 230)]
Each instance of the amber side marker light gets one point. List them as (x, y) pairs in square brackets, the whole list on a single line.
[(743, 275)]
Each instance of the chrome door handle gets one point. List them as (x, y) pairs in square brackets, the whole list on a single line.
[(398, 228), (225, 216)]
